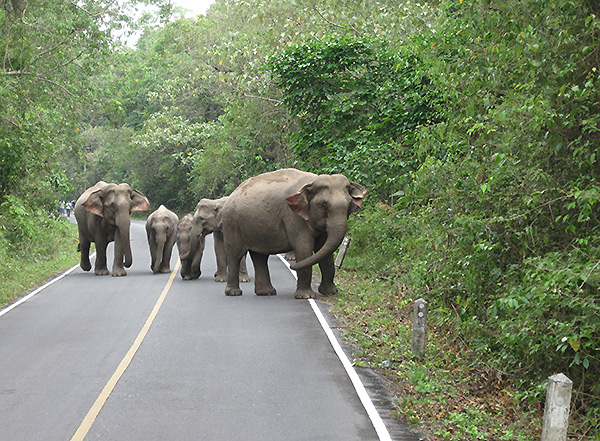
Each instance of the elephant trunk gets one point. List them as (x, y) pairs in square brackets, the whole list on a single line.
[(185, 255), (123, 223), (335, 236), (159, 254)]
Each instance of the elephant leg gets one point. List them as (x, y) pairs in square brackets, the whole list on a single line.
[(221, 274), (186, 269), (327, 287), (262, 278), (118, 269), (233, 273), (197, 259), (100, 268), (152, 244), (84, 248), (304, 290), (165, 266), (244, 277)]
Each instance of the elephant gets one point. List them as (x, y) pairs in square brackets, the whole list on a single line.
[(206, 220), (288, 210), (103, 216), (191, 248), (160, 229)]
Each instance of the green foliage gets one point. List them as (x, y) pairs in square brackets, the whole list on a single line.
[(498, 225), (359, 104)]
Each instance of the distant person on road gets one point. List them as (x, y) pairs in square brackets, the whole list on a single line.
[(68, 208)]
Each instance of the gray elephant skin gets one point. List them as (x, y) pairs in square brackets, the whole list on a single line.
[(207, 220), (160, 229), (103, 216), (190, 247), (288, 210)]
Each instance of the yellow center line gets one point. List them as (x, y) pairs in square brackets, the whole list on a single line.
[(91, 416)]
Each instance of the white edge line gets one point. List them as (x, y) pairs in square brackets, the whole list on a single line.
[(361, 391), (41, 288)]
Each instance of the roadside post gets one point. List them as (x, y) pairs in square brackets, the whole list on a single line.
[(342, 252), (419, 333), (558, 406)]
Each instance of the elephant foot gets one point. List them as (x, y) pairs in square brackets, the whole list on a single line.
[(101, 271), (120, 272), (234, 292), (186, 277), (85, 265), (165, 270), (328, 290), (306, 293), (244, 278), (269, 291), (220, 277)]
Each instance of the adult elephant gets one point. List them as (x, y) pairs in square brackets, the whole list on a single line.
[(103, 216), (288, 210), (207, 220), (160, 229), (191, 248)]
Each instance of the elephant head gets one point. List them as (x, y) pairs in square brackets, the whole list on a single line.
[(206, 217), (115, 203), (325, 204)]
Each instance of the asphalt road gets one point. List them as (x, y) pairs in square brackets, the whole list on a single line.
[(208, 367)]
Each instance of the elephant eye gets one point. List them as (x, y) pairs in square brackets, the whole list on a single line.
[(324, 205)]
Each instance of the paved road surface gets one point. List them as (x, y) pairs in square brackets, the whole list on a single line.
[(211, 367)]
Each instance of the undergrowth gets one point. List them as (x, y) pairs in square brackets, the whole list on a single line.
[(33, 247), (494, 337), (450, 393)]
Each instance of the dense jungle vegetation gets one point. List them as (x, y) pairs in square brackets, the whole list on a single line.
[(474, 124)]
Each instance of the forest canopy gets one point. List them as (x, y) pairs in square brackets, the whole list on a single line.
[(474, 124)]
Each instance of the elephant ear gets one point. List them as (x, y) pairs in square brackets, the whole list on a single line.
[(217, 209), (298, 201), (358, 193), (139, 202), (94, 203)]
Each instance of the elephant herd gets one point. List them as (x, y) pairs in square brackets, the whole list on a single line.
[(275, 212)]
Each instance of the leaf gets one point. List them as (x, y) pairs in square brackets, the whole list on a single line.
[(575, 343)]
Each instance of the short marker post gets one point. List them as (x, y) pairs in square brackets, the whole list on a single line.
[(558, 406), (419, 334), (342, 252)]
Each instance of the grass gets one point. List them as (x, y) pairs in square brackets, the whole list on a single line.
[(449, 393), (24, 271)]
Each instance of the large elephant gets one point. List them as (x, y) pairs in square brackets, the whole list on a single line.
[(288, 210), (191, 248), (207, 220), (103, 216), (160, 229)]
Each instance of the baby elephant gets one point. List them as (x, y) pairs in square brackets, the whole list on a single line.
[(191, 248), (160, 228), (207, 220)]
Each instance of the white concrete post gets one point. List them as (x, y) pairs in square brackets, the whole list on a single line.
[(558, 406), (342, 252), (419, 334)]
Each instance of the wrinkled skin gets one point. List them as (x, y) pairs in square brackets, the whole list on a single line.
[(190, 247), (288, 210), (103, 216), (207, 220), (160, 229)]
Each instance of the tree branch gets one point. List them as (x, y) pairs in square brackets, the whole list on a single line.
[(335, 24), (262, 98), (10, 121)]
